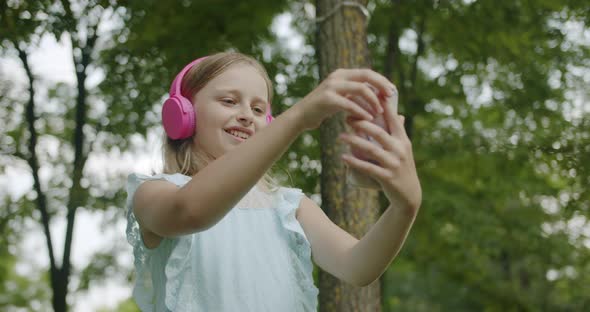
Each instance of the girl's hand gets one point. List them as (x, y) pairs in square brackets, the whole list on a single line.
[(333, 95), (394, 169)]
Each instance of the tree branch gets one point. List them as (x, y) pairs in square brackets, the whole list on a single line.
[(32, 159), (77, 193)]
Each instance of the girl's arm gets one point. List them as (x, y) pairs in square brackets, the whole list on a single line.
[(217, 188), (357, 262), (165, 210), (373, 254), (362, 262)]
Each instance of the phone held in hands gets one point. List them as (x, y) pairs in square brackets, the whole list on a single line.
[(353, 176)]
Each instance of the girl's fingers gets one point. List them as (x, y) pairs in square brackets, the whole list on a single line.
[(364, 91), (390, 112), (353, 108), (388, 142), (397, 124), (377, 153), (369, 168), (375, 79)]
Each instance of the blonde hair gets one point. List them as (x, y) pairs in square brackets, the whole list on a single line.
[(180, 156)]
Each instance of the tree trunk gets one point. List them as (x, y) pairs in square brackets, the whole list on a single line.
[(60, 292), (341, 42)]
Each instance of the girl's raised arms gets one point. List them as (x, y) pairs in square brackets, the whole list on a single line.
[(164, 210)]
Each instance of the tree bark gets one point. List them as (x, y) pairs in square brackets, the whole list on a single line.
[(341, 42)]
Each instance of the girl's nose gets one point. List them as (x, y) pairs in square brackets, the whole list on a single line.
[(246, 114)]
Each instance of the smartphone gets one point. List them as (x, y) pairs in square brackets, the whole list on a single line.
[(354, 177)]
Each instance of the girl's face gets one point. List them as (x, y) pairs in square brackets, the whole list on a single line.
[(235, 98)]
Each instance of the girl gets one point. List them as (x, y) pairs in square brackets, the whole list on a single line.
[(215, 232)]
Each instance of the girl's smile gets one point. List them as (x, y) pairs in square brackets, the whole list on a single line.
[(237, 138), (239, 133)]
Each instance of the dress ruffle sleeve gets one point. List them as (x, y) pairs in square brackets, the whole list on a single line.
[(143, 292), (180, 291), (288, 202)]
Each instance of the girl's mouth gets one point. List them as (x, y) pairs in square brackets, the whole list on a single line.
[(237, 138)]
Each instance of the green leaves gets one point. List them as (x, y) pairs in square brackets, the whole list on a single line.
[(491, 155), (499, 132)]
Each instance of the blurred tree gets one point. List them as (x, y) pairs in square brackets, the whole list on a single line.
[(341, 43), (18, 287), (69, 117), (493, 98), (494, 95), (496, 104), (498, 141)]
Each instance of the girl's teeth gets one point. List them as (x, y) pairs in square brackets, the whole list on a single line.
[(238, 134)]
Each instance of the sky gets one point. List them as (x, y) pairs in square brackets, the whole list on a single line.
[(51, 63)]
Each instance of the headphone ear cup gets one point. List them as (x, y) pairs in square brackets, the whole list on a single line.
[(269, 118), (178, 117)]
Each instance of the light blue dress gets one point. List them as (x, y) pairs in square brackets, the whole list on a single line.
[(257, 258)]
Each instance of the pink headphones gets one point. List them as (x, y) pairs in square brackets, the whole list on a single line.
[(178, 115)]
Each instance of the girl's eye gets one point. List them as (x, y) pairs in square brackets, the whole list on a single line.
[(260, 110), (230, 101)]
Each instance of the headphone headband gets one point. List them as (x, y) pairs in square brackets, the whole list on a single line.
[(176, 84)]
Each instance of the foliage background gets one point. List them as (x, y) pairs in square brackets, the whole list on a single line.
[(498, 95)]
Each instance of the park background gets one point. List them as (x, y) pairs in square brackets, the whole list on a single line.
[(495, 94)]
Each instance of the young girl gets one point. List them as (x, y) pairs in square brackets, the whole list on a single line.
[(215, 232)]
